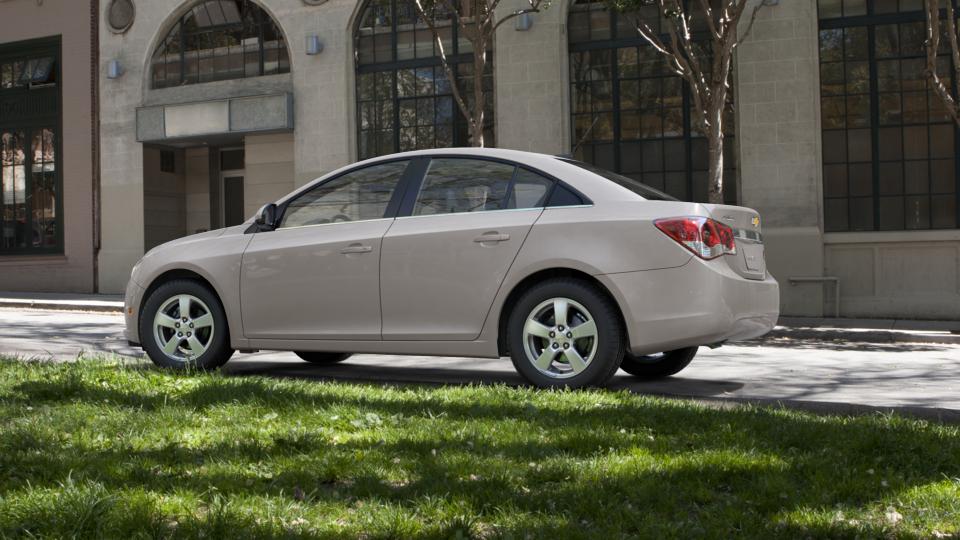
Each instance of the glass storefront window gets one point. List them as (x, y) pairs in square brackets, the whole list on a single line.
[(30, 182), (889, 145)]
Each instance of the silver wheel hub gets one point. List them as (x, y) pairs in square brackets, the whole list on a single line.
[(560, 338), (183, 327)]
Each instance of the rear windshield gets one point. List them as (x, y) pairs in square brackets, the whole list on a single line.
[(635, 186)]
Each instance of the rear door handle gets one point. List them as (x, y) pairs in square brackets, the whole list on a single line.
[(491, 237), (356, 248)]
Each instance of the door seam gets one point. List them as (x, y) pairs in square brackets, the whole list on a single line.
[(507, 273)]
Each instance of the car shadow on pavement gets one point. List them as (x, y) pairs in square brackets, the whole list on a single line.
[(357, 371), (845, 344)]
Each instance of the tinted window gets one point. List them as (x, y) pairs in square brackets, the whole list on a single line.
[(354, 196), (529, 190), (456, 185), (635, 186), (564, 196)]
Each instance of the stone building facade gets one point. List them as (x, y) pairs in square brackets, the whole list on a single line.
[(48, 150), (856, 184)]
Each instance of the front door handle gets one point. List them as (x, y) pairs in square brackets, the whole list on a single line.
[(356, 248), (491, 237)]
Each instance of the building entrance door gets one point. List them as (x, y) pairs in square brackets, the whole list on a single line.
[(233, 199)]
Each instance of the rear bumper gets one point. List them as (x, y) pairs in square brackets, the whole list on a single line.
[(699, 303), (131, 312)]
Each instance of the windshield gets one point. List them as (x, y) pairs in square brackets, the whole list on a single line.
[(635, 186)]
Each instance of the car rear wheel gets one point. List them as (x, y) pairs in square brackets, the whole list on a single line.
[(184, 326), (565, 333), (658, 365), (322, 357)]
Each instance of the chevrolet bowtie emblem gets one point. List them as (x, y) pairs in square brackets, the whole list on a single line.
[(755, 221)]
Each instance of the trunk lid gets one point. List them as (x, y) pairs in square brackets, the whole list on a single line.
[(749, 261)]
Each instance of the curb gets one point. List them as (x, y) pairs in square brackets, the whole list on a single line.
[(98, 307), (862, 336)]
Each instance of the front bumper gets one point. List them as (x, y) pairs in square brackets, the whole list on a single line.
[(699, 303), (131, 312)]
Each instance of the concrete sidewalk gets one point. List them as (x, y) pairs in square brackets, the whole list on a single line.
[(109, 303), (792, 328)]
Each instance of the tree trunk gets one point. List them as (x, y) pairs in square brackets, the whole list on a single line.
[(479, 99), (715, 153)]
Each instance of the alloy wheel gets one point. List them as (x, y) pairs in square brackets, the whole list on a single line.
[(183, 327), (560, 338)]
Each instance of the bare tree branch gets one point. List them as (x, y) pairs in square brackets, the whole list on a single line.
[(709, 83), (451, 77), (933, 48)]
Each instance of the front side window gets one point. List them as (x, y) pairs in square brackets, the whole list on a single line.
[(355, 196), (461, 185), (30, 186), (404, 98), (218, 40), (889, 145)]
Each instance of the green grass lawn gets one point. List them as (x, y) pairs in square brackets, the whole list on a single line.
[(106, 449)]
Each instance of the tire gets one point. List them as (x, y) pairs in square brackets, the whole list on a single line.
[(323, 357), (658, 366), (601, 349), (161, 321)]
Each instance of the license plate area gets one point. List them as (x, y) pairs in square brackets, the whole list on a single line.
[(752, 256)]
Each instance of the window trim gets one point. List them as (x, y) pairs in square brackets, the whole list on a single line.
[(870, 22), (51, 46)]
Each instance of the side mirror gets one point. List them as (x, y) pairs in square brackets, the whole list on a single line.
[(267, 217)]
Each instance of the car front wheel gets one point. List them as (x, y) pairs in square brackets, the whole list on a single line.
[(322, 357), (659, 365), (565, 333), (184, 326)]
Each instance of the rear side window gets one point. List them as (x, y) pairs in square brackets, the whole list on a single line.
[(635, 186), (460, 185), (455, 186)]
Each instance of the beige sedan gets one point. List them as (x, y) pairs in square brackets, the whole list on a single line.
[(571, 271)]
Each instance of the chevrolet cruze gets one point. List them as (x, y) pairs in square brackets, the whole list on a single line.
[(571, 271)]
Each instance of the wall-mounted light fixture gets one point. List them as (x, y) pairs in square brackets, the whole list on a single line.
[(314, 46), (114, 69), (524, 22)]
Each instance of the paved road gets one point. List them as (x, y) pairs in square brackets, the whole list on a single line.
[(814, 374)]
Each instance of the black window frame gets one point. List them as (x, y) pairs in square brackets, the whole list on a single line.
[(393, 67), (24, 50), (262, 20), (871, 20), (689, 134)]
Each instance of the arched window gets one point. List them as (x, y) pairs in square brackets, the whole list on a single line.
[(630, 114), (404, 100), (218, 40)]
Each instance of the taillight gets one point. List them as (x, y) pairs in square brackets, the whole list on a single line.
[(706, 238)]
